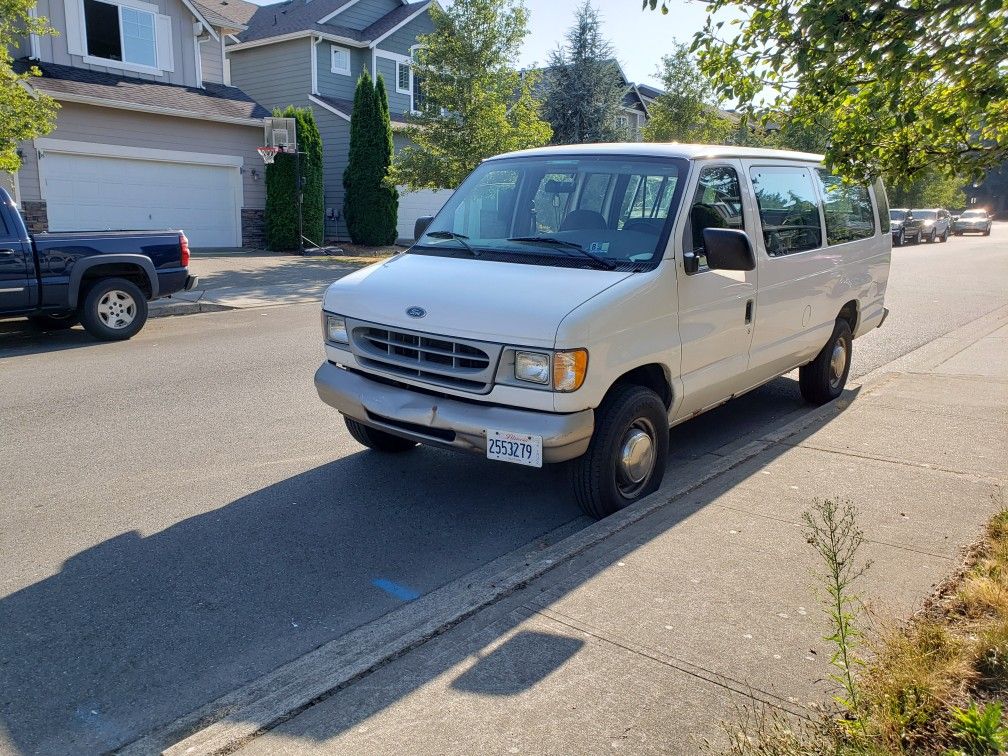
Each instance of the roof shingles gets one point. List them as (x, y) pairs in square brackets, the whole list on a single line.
[(295, 16), (213, 101)]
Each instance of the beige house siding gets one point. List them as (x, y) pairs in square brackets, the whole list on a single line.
[(212, 61), (53, 48), (85, 123)]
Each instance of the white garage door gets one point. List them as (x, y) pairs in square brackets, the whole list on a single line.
[(92, 193), (413, 205)]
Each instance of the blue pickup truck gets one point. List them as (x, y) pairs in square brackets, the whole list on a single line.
[(101, 279)]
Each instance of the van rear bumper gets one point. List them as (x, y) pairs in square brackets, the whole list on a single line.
[(450, 423)]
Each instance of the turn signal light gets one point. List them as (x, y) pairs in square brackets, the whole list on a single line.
[(569, 369)]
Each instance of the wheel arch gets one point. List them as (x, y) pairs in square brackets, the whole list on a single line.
[(654, 376), (851, 312), (136, 268)]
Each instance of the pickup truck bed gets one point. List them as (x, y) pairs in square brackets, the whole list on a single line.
[(103, 279)]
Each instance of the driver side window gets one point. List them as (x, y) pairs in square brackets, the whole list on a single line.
[(717, 203)]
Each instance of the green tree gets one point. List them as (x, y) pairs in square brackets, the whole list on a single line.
[(903, 86), (475, 103), (582, 88), (281, 191), (929, 188), (688, 111), (371, 202), (23, 114)]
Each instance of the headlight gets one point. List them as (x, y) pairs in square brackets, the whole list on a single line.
[(334, 328), (569, 369), (533, 367)]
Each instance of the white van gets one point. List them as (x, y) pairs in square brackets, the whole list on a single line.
[(571, 304)]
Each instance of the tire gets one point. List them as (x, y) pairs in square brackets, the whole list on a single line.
[(931, 239), (631, 424), (378, 440), (987, 232), (823, 379), (901, 239), (114, 309), (54, 321), (944, 236)]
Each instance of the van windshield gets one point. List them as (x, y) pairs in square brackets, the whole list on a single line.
[(604, 212)]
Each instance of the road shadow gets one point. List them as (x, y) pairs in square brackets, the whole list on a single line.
[(19, 336), (140, 629), (521, 662)]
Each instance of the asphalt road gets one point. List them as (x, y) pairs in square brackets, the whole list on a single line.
[(180, 513)]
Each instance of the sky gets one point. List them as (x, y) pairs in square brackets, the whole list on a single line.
[(640, 38)]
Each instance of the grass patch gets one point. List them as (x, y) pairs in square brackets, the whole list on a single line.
[(933, 686)]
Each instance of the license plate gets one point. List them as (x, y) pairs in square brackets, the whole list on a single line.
[(516, 448)]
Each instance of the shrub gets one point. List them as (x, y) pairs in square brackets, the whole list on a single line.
[(371, 202)]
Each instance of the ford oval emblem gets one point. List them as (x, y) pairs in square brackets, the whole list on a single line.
[(416, 312)]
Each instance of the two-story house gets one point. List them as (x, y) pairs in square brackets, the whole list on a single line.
[(309, 53), (150, 132)]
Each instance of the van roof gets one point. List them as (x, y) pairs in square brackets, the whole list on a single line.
[(664, 149)]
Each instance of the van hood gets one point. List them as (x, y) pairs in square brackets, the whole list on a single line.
[(478, 299)]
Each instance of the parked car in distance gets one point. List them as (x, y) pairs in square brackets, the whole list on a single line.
[(973, 222), (906, 226), (570, 304), (936, 224), (102, 279)]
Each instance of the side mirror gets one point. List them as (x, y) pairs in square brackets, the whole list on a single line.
[(728, 249), (421, 225)]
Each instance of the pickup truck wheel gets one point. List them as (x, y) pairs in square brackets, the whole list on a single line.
[(114, 309), (55, 321), (823, 379), (626, 458), (376, 439)]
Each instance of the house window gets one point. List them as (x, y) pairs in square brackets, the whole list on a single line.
[(340, 60), (404, 78), (116, 32)]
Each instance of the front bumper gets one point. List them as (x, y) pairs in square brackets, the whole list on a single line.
[(451, 423)]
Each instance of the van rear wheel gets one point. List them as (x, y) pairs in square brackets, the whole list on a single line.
[(378, 440), (626, 458), (823, 379)]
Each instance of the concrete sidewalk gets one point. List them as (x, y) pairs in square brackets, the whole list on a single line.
[(647, 641), (235, 279)]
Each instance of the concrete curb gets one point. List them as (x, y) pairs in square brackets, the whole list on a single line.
[(232, 720)]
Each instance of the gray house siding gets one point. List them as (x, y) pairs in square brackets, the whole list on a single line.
[(86, 123), (339, 85), (274, 75), (53, 49), (398, 103), (401, 40), (212, 60), (335, 133), (364, 13)]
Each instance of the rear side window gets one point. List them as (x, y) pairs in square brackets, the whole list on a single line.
[(848, 209), (788, 208), (883, 206), (717, 203)]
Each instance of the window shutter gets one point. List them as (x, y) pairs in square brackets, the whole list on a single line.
[(74, 27), (165, 54)]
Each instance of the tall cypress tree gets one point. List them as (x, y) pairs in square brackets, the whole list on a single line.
[(371, 202), (386, 207)]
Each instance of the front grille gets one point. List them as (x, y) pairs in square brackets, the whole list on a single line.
[(440, 360)]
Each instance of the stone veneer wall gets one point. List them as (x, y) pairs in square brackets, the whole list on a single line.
[(253, 230), (36, 216)]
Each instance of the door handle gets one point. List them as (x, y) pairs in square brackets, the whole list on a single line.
[(6, 252), (748, 311)]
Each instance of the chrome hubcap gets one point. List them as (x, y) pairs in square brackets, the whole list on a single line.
[(636, 457), (117, 309), (838, 362)]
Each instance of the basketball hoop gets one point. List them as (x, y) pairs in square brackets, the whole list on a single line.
[(268, 154)]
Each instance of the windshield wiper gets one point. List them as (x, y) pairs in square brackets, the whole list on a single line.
[(607, 264), (460, 238)]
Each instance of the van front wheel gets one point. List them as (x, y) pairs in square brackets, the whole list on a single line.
[(823, 379), (626, 458)]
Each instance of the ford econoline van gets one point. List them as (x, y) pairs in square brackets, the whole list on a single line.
[(571, 304)]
